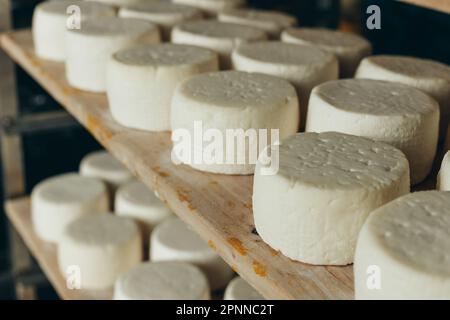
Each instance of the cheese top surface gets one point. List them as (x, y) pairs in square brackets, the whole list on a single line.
[(69, 188), (263, 17), (414, 229), (113, 26), (376, 97), (216, 29), (102, 230), (239, 289), (162, 8), (216, 5), (137, 192), (59, 7), (104, 162), (339, 161), (238, 90), (166, 54)]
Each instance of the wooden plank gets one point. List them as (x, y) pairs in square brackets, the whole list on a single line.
[(438, 5), (218, 207), (18, 212)]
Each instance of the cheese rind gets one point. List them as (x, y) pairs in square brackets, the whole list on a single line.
[(59, 200), (162, 281), (218, 36), (89, 48), (141, 81), (232, 104), (118, 3), (403, 249), (349, 48), (50, 19), (212, 7), (327, 184), (443, 178), (239, 289), (384, 111), (102, 247), (173, 240)]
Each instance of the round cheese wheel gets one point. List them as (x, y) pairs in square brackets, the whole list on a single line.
[(212, 7), (327, 184), (165, 14), (89, 48), (57, 201), (227, 119), (384, 111), (403, 249), (218, 36), (136, 201), (429, 76), (101, 247), (272, 22), (51, 20), (119, 3), (349, 48), (173, 240), (304, 66), (239, 289), (141, 81), (162, 281), (443, 178)]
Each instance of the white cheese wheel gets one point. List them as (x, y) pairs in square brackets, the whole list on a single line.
[(213, 107), (327, 184), (304, 66), (384, 111), (162, 281), (403, 249), (51, 19), (119, 3), (57, 201), (429, 76), (141, 80), (272, 22), (165, 14), (101, 247), (136, 201), (212, 7), (443, 178), (349, 48), (239, 289), (173, 240), (218, 36), (89, 48)]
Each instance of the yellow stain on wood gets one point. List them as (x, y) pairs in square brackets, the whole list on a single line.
[(212, 245), (191, 207), (237, 245), (259, 269), (231, 204), (160, 172), (248, 205), (274, 252), (100, 132), (234, 268), (181, 196)]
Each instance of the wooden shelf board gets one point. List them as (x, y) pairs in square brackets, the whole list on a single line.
[(438, 5)]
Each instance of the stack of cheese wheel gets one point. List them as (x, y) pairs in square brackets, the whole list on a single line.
[(58, 201), (100, 247), (239, 289), (162, 281), (165, 14), (136, 201), (219, 36), (141, 81), (272, 22), (89, 48), (426, 75), (327, 184), (304, 66), (403, 249), (255, 109), (384, 111), (212, 7), (172, 240), (51, 19), (443, 178), (349, 48)]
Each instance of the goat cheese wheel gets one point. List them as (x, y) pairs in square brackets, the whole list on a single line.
[(304, 66), (272, 22), (164, 14), (239, 289), (326, 185), (162, 281), (89, 48), (141, 81), (349, 48), (212, 7), (429, 76), (384, 111), (173, 240), (101, 247), (135, 200), (403, 249), (222, 120), (57, 201), (221, 37), (51, 20), (443, 178)]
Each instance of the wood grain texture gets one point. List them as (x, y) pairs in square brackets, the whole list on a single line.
[(438, 5), (218, 207)]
